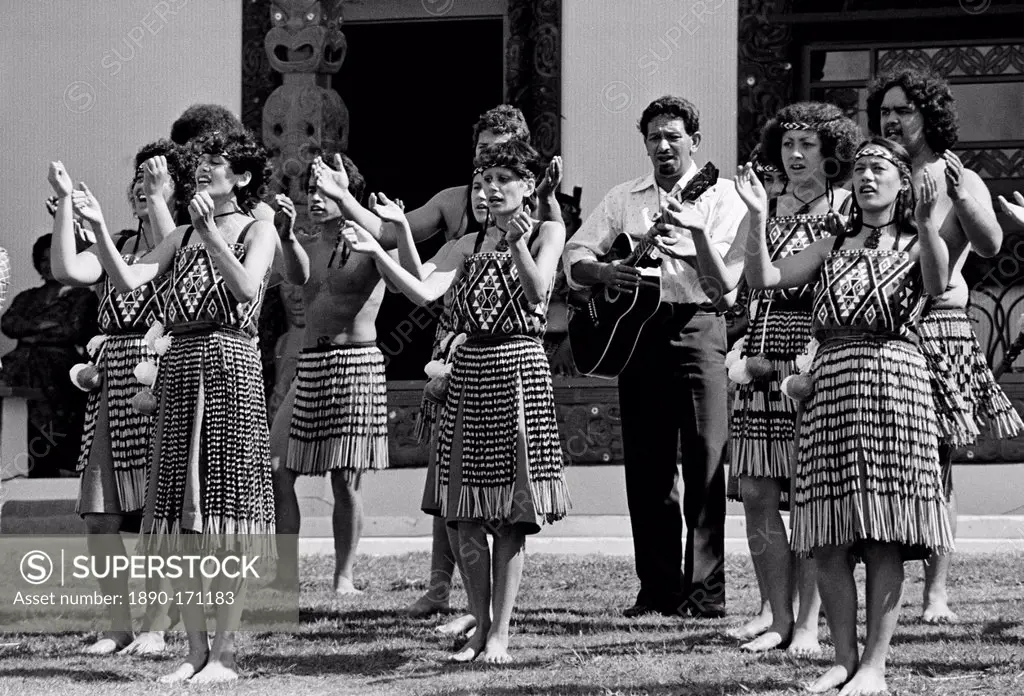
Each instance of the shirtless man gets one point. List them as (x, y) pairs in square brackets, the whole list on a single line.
[(334, 418), (915, 109)]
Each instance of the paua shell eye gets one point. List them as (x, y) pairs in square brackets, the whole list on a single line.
[(310, 16), (279, 16)]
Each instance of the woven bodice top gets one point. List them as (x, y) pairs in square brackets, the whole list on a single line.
[(488, 300), (198, 295), (873, 290), (787, 235), (133, 311)]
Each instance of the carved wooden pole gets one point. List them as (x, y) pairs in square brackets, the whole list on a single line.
[(304, 116)]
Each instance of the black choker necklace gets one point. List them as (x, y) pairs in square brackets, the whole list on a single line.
[(805, 206), (502, 244), (876, 233)]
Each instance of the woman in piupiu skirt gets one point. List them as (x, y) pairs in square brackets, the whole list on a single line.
[(499, 458), (210, 487), (867, 482), (114, 459)]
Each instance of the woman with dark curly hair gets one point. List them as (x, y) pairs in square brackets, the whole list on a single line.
[(211, 459), (866, 482), (114, 457), (499, 456), (812, 144)]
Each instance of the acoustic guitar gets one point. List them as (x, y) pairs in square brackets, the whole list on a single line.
[(605, 324)]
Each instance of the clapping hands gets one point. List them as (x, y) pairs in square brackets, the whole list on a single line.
[(750, 189), (330, 182)]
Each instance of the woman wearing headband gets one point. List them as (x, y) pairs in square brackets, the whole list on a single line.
[(499, 458), (812, 144), (866, 481)]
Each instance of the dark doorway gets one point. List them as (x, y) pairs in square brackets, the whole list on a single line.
[(414, 91)]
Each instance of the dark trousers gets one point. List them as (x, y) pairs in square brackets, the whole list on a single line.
[(671, 395)]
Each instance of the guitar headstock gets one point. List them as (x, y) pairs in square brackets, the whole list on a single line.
[(701, 182)]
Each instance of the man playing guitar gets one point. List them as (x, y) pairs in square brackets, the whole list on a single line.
[(673, 391)]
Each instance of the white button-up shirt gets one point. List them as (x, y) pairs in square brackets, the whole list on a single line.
[(634, 206)]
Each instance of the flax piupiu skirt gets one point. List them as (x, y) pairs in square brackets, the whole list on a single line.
[(211, 453), (763, 423), (498, 456), (114, 459), (340, 413), (868, 464)]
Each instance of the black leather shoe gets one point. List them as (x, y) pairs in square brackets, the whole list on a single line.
[(703, 611), (639, 610)]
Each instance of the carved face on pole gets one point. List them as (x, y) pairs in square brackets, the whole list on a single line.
[(306, 36)]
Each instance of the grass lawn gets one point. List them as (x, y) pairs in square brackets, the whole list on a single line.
[(568, 638)]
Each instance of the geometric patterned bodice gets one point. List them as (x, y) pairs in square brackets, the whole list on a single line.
[(198, 295), (873, 290), (488, 300), (132, 311), (786, 236)]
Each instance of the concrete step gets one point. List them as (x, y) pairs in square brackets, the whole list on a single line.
[(991, 511)]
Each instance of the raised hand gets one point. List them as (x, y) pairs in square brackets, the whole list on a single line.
[(156, 178), (750, 190), (926, 197), (683, 215), (200, 209), (387, 209), (358, 239), (60, 180), (519, 225), (1014, 211), (954, 175), (86, 204), (284, 220), (552, 177), (330, 182)]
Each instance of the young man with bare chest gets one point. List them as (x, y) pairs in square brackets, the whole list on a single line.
[(916, 109), (334, 418)]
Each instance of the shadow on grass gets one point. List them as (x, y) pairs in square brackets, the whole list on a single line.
[(370, 664), (84, 675), (682, 688)]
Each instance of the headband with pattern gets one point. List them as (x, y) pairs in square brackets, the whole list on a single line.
[(484, 168), (800, 125), (879, 151), (765, 167)]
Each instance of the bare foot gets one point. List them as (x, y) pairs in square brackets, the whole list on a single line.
[(343, 586), (147, 643), (864, 682), (496, 652), (426, 606), (836, 676), (183, 673), (752, 629), (473, 647), (804, 644), (460, 625), (192, 664), (937, 611), (110, 643), (764, 642), (214, 673)]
